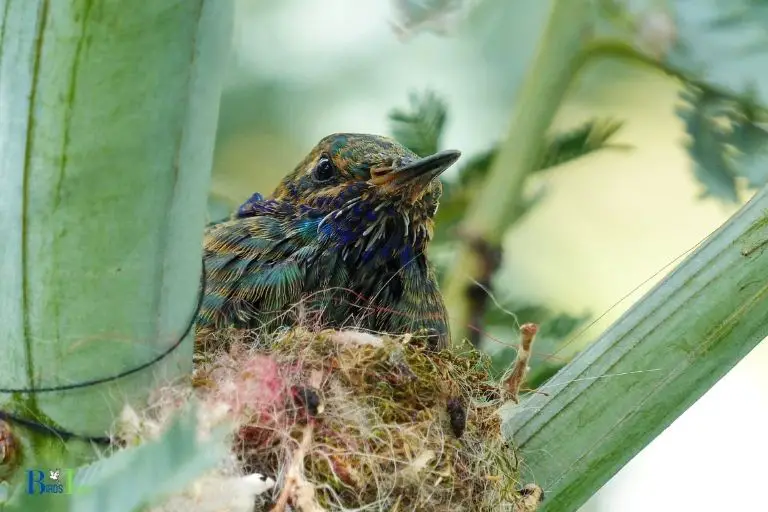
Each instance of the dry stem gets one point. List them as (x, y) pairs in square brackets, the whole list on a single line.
[(516, 377)]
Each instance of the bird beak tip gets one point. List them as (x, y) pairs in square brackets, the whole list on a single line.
[(429, 166), (422, 170)]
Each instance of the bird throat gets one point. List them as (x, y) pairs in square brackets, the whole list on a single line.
[(371, 233)]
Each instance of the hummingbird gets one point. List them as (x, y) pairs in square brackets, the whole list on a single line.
[(342, 241)]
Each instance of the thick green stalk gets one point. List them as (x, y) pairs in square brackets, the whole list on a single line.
[(108, 113), (650, 366), (555, 63)]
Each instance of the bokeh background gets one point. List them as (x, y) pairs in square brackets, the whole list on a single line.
[(610, 225)]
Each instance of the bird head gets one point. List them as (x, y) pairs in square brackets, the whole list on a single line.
[(369, 169)]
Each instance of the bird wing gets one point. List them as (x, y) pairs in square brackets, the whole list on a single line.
[(252, 270), (420, 306)]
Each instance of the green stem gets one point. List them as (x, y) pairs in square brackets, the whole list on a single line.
[(562, 54), (557, 60), (107, 123), (649, 366)]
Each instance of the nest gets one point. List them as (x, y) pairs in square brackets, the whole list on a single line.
[(347, 420)]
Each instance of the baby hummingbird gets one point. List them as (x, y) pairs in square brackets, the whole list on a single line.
[(342, 239)]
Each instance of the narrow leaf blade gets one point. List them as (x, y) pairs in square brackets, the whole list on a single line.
[(650, 366)]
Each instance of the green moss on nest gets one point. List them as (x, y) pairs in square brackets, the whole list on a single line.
[(389, 433)]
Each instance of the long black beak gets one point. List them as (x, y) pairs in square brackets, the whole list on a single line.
[(425, 169)]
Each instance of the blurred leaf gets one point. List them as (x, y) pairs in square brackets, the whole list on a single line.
[(588, 138), (723, 43), (750, 138), (421, 127), (140, 476), (726, 141), (437, 16), (476, 168), (453, 208), (523, 313), (542, 372), (563, 147), (708, 145), (560, 148), (136, 477), (419, 11), (560, 326)]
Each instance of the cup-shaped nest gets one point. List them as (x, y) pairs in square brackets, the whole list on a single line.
[(369, 422)]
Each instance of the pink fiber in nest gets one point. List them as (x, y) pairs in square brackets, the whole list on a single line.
[(260, 384), (256, 392)]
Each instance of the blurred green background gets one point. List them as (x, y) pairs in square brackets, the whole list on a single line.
[(609, 226)]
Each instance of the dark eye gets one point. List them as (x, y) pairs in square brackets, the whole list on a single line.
[(324, 170)]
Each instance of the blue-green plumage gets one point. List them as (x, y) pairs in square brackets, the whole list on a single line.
[(340, 243)]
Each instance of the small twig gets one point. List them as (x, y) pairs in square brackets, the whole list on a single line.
[(296, 488), (514, 382)]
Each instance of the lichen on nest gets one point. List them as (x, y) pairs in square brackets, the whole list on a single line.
[(363, 422)]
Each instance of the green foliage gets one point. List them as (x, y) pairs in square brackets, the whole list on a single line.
[(583, 140), (719, 51), (420, 127), (723, 43), (139, 476), (560, 148), (152, 470), (750, 138), (726, 142), (708, 146)]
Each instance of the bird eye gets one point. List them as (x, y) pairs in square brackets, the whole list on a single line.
[(324, 170)]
